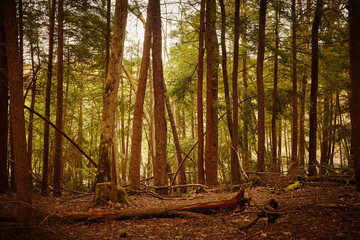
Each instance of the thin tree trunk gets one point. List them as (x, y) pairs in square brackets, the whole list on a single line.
[(324, 158), (139, 103), (294, 125), (260, 88), (314, 87), (354, 26), (275, 165), (200, 130), (59, 102), (124, 167), (235, 165)]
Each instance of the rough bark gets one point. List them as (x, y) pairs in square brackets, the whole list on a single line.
[(22, 168), (200, 130), (354, 27), (111, 92), (160, 176), (314, 87), (260, 88), (4, 183), (139, 103), (235, 165), (211, 45)]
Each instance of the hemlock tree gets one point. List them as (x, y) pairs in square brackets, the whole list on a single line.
[(212, 66), (354, 27), (139, 103), (260, 88), (22, 168), (111, 92)]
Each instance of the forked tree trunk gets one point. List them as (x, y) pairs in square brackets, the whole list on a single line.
[(111, 92)]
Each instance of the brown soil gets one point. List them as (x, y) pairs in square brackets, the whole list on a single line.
[(315, 211)]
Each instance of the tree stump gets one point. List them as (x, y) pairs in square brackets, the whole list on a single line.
[(108, 191)]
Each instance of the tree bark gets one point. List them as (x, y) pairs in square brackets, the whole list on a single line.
[(314, 87), (354, 27), (139, 103), (4, 182), (260, 88), (200, 130), (22, 168), (211, 45), (235, 164), (111, 92)]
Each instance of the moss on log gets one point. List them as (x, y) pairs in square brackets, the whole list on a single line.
[(108, 191)]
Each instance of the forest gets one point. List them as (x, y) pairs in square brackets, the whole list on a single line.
[(190, 119)]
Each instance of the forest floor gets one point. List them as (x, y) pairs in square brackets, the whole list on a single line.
[(318, 210)]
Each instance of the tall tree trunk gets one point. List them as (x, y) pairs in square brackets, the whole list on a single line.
[(260, 88), (59, 101), (160, 176), (224, 63), (294, 125), (235, 165), (45, 172), (211, 45), (4, 183), (275, 165), (324, 157), (246, 113), (107, 36), (139, 103), (200, 130), (22, 168), (124, 167), (111, 92), (314, 87), (354, 26)]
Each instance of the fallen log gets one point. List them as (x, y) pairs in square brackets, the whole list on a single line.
[(193, 210)]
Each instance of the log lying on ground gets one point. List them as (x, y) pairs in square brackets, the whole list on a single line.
[(193, 210)]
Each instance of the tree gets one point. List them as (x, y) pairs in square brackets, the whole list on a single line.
[(235, 166), (160, 176), (212, 65), (294, 125), (354, 37), (314, 87), (200, 130), (139, 103), (111, 92), (59, 101), (4, 183), (45, 174), (22, 168), (260, 88)]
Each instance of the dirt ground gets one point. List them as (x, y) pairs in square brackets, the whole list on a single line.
[(315, 211)]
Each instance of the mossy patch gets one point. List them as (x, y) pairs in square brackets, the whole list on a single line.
[(108, 191)]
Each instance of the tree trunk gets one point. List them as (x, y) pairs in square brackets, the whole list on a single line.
[(211, 45), (314, 87), (160, 176), (294, 125), (59, 101), (224, 64), (4, 183), (111, 92), (22, 168), (200, 130), (260, 88), (275, 165), (139, 103), (354, 26), (235, 165), (45, 172), (324, 158)]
